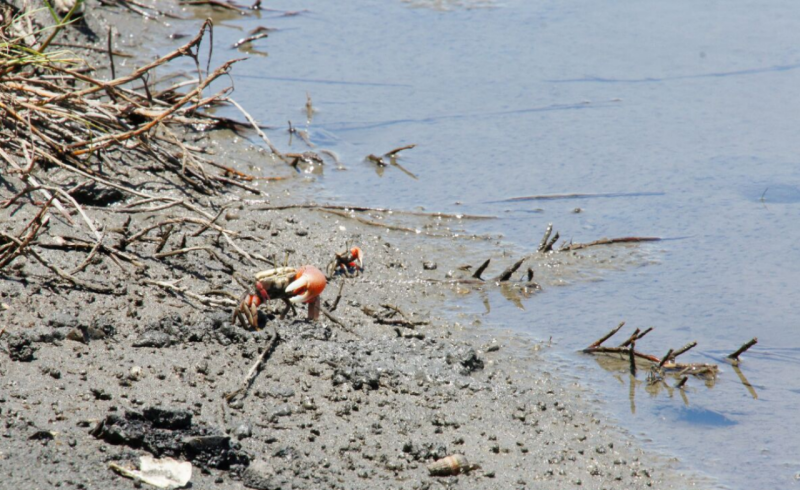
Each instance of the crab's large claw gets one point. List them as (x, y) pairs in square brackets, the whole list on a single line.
[(358, 258), (308, 284)]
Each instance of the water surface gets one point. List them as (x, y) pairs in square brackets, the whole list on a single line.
[(681, 115)]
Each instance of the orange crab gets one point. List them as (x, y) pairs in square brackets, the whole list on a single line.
[(352, 259), (291, 285)]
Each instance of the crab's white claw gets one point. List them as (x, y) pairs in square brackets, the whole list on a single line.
[(308, 284), (295, 285), (301, 298)]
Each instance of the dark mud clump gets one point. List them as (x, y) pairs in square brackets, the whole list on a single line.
[(164, 432)]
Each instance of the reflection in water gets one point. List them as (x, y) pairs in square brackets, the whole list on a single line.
[(632, 392), (380, 165), (704, 416), (745, 382), (466, 85), (342, 126), (656, 380), (514, 292), (750, 71), (780, 193)]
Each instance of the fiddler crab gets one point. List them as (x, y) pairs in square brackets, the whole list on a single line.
[(346, 261), (291, 285)]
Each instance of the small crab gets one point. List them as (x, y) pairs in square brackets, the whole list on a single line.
[(291, 285), (351, 259)]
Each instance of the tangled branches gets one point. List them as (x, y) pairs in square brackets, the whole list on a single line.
[(74, 144), (47, 121)]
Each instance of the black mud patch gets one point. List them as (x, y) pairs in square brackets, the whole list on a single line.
[(164, 432)]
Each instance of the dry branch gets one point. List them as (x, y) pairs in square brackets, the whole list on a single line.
[(506, 274), (324, 207), (627, 351), (173, 287), (254, 370), (479, 270), (607, 336), (607, 241), (386, 317), (741, 350)]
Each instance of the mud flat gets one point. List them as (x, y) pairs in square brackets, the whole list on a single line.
[(133, 350)]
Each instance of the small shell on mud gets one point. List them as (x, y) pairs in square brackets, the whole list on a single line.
[(450, 465)]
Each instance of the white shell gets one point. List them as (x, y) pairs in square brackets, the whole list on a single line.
[(450, 465)]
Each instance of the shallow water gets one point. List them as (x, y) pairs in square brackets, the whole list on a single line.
[(680, 116)]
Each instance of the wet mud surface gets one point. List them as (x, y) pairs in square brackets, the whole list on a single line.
[(87, 379)]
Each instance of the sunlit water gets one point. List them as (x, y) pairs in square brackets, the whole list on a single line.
[(685, 112)]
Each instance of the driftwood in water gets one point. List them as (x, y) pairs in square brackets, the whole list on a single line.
[(552, 197), (547, 244), (479, 270), (627, 351), (608, 241), (734, 357), (506, 274)]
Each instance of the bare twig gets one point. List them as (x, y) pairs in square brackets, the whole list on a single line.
[(370, 209), (607, 241), (394, 152), (506, 274), (257, 129), (91, 255), (545, 238), (683, 349), (631, 339), (479, 270), (254, 370), (172, 286), (741, 350), (338, 297), (607, 336)]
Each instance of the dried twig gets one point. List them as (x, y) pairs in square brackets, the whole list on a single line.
[(683, 349), (386, 318), (607, 336), (257, 129), (227, 265), (173, 286), (325, 207), (338, 297), (545, 238), (506, 274), (479, 270), (665, 364), (607, 241), (741, 350), (394, 152), (550, 197), (255, 369)]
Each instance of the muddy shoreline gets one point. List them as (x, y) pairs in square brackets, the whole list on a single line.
[(90, 379)]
